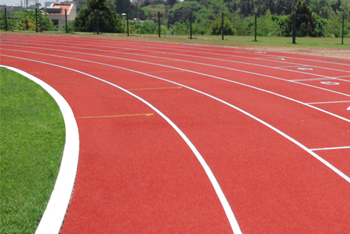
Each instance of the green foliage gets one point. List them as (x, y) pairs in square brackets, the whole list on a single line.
[(70, 25), (267, 26), (216, 27), (151, 11), (307, 23), (146, 28), (244, 25), (181, 11), (108, 21), (122, 6), (26, 20), (11, 23), (334, 26)]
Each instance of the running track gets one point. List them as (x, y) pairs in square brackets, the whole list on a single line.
[(179, 138)]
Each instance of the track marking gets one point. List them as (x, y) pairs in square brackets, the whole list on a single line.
[(348, 108), (305, 68), (194, 72), (312, 103), (225, 204), (164, 71), (151, 46), (234, 221), (329, 83), (329, 60), (57, 206), (156, 88), (187, 61), (332, 148), (115, 116), (313, 79)]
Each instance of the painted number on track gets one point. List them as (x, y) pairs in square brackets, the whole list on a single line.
[(329, 83), (305, 68)]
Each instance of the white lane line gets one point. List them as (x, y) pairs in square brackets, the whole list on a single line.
[(252, 52), (194, 72), (176, 46), (204, 64), (232, 61), (313, 79), (312, 103), (57, 206), (331, 148), (326, 163), (225, 204)]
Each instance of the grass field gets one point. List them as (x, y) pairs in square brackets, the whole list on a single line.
[(239, 41), (32, 141)]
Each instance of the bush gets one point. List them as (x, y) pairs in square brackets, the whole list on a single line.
[(26, 20), (215, 27), (266, 26), (70, 25)]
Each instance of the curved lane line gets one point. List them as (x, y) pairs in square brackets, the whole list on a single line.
[(194, 72), (326, 163), (199, 63), (57, 206), (225, 204), (176, 46)]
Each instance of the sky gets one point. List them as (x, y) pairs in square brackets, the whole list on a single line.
[(12, 2)]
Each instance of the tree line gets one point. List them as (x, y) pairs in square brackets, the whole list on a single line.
[(313, 17)]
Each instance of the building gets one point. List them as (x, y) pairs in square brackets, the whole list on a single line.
[(10, 8), (57, 13)]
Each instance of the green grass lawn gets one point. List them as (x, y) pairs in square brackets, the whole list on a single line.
[(32, 141), (236, 41)]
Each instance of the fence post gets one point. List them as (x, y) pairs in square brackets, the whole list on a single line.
[(5, 20), (36, 19), (190, 24), (342, 30), (97, 23), (127, 22), (255, 27), (158, 24), (65, 16), (294, 16), (222, 26)]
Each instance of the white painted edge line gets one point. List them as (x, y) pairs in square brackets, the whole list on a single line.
[(332, 148), (225, 204), (312, 103), (53, 217)]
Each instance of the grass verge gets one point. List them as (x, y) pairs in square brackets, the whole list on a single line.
[(32, 139)]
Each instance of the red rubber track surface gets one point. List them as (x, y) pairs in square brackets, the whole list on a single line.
[(137, 175)]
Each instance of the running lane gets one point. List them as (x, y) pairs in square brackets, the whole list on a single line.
[(273, 186)]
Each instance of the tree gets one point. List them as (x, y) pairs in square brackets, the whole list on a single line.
[(307, 23), (122, 6), (108, 20), (181, 11)]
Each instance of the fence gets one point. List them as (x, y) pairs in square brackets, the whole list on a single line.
[(294, 25)]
